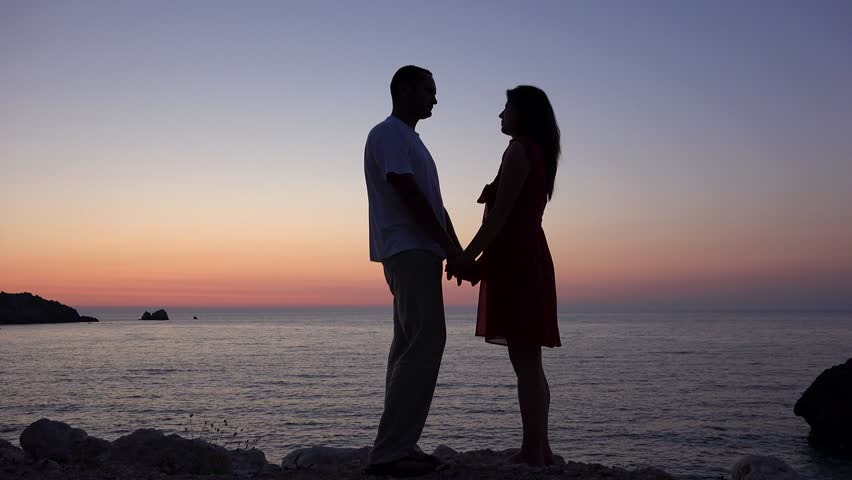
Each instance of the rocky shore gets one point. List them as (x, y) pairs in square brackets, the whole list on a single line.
[(54, 450)]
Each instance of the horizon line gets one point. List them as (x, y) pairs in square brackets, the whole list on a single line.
[(562, 308)]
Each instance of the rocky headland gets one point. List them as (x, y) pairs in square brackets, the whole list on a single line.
[(26, 308)]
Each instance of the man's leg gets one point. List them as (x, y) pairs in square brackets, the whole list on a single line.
[(398, 345), (415, 280)]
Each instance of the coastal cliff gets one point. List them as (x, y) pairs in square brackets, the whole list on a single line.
[(26, 308)]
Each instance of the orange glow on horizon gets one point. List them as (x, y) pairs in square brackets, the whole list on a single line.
[(258, 259), (365, 286)]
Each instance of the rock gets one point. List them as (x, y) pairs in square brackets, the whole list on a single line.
[(444, 452), (26, 308), (47, 465), (11, 455), (754, 467), (94, 450), (322, 463), (248, 462), (495, 464), (171, 454), (505, 454), (158, 315), (324, 457), (827, 407), (59, 442), (649, 473)]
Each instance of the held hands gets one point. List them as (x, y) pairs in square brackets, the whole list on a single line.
[(463, 267)]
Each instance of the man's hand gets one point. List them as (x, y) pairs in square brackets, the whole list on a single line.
[(463, 267), (453, 251)]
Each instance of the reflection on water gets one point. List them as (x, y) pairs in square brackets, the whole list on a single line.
[(688, 393)]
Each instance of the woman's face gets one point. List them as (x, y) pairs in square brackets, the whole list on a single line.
[(509, 120)]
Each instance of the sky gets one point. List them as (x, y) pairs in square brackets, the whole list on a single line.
[(211, 153)]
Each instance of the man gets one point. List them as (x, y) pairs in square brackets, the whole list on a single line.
[(410, 234)]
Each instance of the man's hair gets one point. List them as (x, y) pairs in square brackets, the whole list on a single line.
[(408, 75)]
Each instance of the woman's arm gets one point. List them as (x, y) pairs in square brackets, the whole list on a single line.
[(515, 169)]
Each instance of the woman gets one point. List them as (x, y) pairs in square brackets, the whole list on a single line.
[(517, 296)]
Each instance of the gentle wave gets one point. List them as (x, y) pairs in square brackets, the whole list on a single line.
[(689, 394)]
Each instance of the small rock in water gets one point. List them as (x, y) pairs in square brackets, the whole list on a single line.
[(158, 315)]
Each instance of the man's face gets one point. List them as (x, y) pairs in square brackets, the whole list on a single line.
[(421, 97)]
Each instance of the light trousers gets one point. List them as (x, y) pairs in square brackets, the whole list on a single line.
[(419, 336)]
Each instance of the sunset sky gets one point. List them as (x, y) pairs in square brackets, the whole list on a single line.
[(211, 153)]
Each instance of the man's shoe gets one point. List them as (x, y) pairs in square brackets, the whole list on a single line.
[(425, 457)]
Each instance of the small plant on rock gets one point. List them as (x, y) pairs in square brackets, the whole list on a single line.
[(221, 433)]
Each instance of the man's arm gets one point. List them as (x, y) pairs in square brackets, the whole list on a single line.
[(452, 231), (414, 199)]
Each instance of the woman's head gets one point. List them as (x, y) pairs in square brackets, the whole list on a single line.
[(528, 113)]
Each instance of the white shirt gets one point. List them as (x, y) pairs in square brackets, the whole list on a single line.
[(394, 147)]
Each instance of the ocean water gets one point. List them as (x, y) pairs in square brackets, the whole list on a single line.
[(689, 393)]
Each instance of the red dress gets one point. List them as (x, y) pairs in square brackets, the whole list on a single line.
[(517, 293)]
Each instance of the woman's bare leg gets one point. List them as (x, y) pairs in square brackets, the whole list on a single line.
[(534, 400)]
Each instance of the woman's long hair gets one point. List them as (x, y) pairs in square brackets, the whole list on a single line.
[(538, 121)]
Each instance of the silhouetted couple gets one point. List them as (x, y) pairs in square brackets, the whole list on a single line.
[(411, 234)]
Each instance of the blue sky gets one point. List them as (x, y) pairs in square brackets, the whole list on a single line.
[(706, 144)]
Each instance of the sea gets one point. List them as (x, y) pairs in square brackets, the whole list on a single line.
[(690, 393)]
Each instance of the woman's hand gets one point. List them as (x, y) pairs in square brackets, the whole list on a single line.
[(463, 267)]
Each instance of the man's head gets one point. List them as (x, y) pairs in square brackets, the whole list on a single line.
[(413, 92)]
